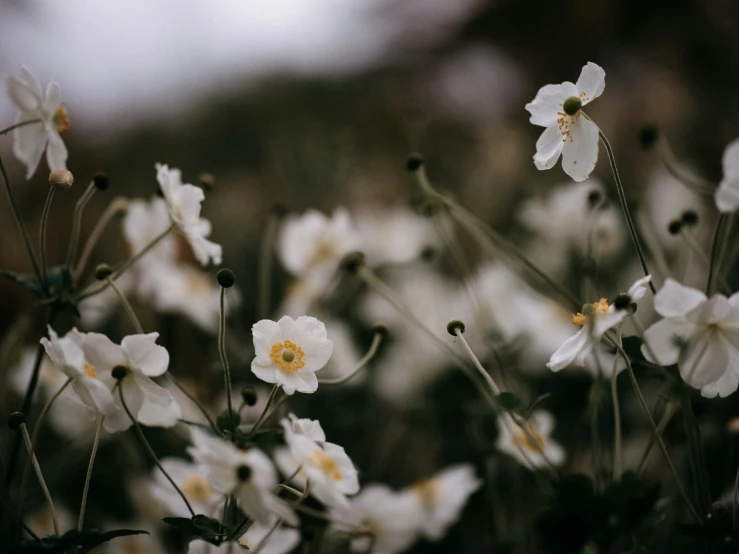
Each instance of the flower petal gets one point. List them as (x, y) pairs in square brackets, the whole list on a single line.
[(663, 338), (580, 150), (145, 354), (548, 148), (29, 142), (265, 333), (727, 195), (268, 374), (639, 288), (158, 407), (22, 94), (56, 152), (569, 350), (102, 352), (53, 97), (548, 102), (286, 324), (676, 300), (705, 359), (591, 83)]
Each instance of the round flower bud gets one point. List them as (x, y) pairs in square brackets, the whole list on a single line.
[(648, 135), (428, 254), (622, 301), (101, 180), (689, 217), (15, 420), (675, 226), (572, 105), (352, 262), (414, 162), (225, 423), (119, 372), (61, 179), (243, 473), (206, 181), (102, 272), (380, 329), (249, 394), (453, 325), (226, 278)]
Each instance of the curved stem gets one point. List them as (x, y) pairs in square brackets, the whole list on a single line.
[(376, 340), (86, 489), (271, 398), (669, 411), (618, 461), (224, 358), (718, 233), (42, 244), (126, 306), (19, 124), (476, 362), (680, 172), (77, 223), (116, 207), (40, 476), (195, 401)]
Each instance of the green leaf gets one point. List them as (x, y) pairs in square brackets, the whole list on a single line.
[(508, 401), (72, 540), (208, 529)]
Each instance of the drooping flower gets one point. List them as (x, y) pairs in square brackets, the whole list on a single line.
[(727, 194), (184, 203), (442, 498), (568, 132), (30, 141), (192, 481), (289, 352), (532, 447), (604, 317), (247, 474), (699, 334)]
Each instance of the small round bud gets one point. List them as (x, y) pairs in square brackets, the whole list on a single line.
[(675, 226), (690, 217), (16, 419), (352, 262), (454, 325), (622, 301), (226, 423), (243, 473), (414, 162), (648, 135), (226, 278), (119, 372), (380, 329), (102, 272), (206, 181), (101, 180), (595, 199), (428, 254), (61, 179), (249, 395), (572, 105)]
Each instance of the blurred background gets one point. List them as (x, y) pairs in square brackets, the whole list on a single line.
[(316, 105)]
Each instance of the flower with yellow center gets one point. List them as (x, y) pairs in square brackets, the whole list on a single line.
[(532, 447), (599, 307), (327, 464), (60, 119), (90, 370)]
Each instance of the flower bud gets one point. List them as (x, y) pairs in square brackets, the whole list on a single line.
[(100, 180), (675, 226), (206, 181), (572, 105), (119, 372), (226, 278), (243, 473), (352, 262), (622, 301), (15, 420), (648, 135), (596, 199), (102, 272), (414, 162), (380, 329), (249, 395), (226, 423), (689, 217), (61, 179), (454, 325), (428, 254)]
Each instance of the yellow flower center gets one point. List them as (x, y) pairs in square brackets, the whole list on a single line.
[(327, 464), (530, 439), (325, 251), (90, 370), (599, 307), (60, 119), (427, 492), (288, 355), (197, 488)]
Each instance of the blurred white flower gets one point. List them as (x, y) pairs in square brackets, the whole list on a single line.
[(247, 474), (727, 195), (192, 482), (144, 222), (442, 498), (393, 518), (345, 355), (184, 203), (605, 317), (281, 541), (143, 359), (30, 141), (393, 235), (310, 428), (699, 334), (289, 352), (568, 132), (40, 521), (132, 544), (532, 449)]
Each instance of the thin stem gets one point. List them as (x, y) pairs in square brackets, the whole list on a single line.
[(652, 242), (625, 207), (116, 207), (476, 362), (86, 489), (266, 537), (19, 223), (669, 411), (719, 230), (265, 265), (618, 461), (150, 450), (40, 476), (680, 172), (735, 498), (42, 244), (376, 340), (77, 223), (195, 401), (126, 306), (696, 248), (224, 358), (19, 124), (694, 439), (271, 398)]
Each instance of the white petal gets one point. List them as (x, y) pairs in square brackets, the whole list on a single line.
[(705, 359), (158, 407), (145, 354), (268, 374), (663, 338), (205, 251), (548, 148), (639, 288), (265, 333), (675, 300), (592, 82), (29, 142), (286, 324), (608, 320), (53, 97), (548, 102), (730, 160), (569, 350), (727, 195), (56, 152), (713, 310), (186, 203), (22, 94), (580, 149), (30, 79), (103, 353)]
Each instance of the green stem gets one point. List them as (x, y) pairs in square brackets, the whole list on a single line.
[(40, 476), (77, 223), (88, 478), (42, 244), (224, 359), (271, 398), (718, 233), (376, 340), (127, 307), (618, 462), (117, 206), (19, 124)]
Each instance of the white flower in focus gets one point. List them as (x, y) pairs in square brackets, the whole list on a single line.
[(247, 474), (727, 195), (393, 518), (30, 141), (605, 317), (289, 352), (532, 449), (568, 132), (193, 483), (143, 359), (699, 334), (68, 355), (442, 498), (184, 203)]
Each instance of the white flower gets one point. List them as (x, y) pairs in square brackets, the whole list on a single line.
[(281, 541), (532, 449), (289, 352), (93, 389), (442, 498), (574, 136), (144, 222), (700, 334), (192, 481), (310, 428), (30, 141), (149, 403), (183, 202), (606, 316), (727, 194), (247, 474), (393, 518)]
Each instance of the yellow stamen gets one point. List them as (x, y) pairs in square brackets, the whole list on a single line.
[(327, 464), (427, 492), (197, 488), (531, 440), (599, 307), (90, 370), (60, 119), (288, 355)]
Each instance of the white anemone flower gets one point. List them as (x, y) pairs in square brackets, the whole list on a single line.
[(727, 194), (699, 334), (289, 352), (143, 359), (69, 356), (442, 498), (532, 448), (568, 132), (184, 203), (193, 483), (310, 428), (247, 474), (576, 348), (30, 141), (281, 541)]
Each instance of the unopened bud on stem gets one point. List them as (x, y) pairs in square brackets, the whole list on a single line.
[(102, 272), (455, 325), (61, 179)]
